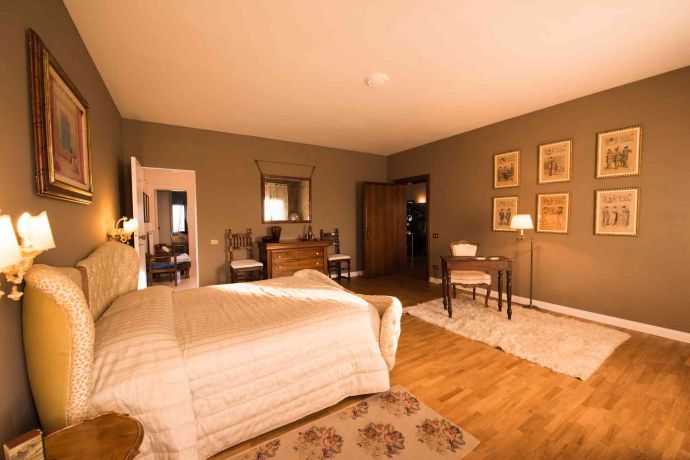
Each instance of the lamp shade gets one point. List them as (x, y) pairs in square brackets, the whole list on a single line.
[(40, 235), (9, 249), (130, 226), (521, 222)]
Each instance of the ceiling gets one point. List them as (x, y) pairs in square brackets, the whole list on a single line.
[(294, 69)]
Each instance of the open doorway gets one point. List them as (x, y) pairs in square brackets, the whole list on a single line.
[(417, 226)]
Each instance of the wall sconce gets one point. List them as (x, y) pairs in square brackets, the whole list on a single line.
[(124, 233), (16, 259)]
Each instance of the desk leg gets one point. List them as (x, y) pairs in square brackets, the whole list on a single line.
[(444, 282), (500, 290), (509, 288)]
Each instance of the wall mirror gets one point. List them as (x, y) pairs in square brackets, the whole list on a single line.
[(285, 199)]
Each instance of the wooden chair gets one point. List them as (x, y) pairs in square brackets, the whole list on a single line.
[(161, 264), (336, 260), (469, 278), (243, 269)]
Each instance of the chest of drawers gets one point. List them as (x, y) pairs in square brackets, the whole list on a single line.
[(286, 257)]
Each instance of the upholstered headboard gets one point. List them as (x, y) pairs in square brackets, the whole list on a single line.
[(59, 328)]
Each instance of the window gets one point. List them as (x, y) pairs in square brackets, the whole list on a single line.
[(179, 218)]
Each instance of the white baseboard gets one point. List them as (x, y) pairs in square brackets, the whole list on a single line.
[(591, 316)]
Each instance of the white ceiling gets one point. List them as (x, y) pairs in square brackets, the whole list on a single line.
[(295, 69)]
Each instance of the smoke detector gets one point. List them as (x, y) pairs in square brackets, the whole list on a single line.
[(377, 80)]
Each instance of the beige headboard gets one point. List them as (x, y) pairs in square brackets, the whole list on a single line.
[(59, 328)]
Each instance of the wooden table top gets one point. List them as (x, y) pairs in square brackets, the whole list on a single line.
[(108, 436)]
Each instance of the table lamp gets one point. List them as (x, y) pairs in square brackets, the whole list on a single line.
[(523, 222)]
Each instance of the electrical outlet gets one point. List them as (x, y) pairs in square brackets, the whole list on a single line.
[(434, 267), (214, 242), (435, 235)]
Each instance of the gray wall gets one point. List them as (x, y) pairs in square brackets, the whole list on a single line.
[(77, 228), (642, 279), (228, 183)]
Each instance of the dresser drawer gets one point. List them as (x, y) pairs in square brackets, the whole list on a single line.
[(295, 254), (299, 264)]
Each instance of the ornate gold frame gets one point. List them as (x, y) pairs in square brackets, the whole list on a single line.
[(567, 222), (598, 153), (570, 169), (40, 62), (637, 211)]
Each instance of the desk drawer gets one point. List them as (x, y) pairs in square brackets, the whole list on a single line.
[(295, 254)]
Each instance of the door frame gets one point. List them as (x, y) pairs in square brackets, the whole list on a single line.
[(416, 180)]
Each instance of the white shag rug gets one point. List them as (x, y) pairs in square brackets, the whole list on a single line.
[(559, 343)]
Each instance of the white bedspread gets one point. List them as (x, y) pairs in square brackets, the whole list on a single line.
[(204, 369)]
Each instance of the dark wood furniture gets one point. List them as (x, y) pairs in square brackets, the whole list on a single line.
[(161, 264), (287, 257), (241, 269), (336, 260), (468, 249), (106, 436), (500, 264)]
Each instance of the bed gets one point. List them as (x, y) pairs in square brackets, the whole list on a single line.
[(201, 369)]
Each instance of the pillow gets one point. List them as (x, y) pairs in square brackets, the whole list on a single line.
[(109, 272)]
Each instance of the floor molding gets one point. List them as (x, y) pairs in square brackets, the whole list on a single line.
[(597, 317)]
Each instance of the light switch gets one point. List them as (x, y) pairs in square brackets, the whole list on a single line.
[(214, 242)]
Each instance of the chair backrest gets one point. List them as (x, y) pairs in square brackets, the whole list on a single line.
[(332, 237), (235, 241), (464, 248), (161, 249)]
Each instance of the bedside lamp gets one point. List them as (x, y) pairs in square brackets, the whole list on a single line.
[(16, 259), (523, 222), (124, 233)]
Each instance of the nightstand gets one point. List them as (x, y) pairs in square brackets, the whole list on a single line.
[(108, 436)]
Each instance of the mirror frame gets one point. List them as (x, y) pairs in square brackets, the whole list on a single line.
[(263, 197)]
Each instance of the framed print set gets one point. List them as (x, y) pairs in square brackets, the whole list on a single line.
[(553, 212), (555, 162), (504, 208), (507, 169), (60, 128), (619, 152), (617, 212)]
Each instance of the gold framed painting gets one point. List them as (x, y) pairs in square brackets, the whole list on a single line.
[(619, 152), (507, 169), (555, 162), (617, 212), (504, 208), (553, 212), (60, 128)]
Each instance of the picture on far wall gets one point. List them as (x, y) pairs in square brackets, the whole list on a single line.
[(504, 208), (507, 169), (553, 212), (60, 127), (617, 212), (619, 152), (555, 162)]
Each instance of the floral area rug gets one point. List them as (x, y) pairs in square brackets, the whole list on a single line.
[(560, 343), (389, 425)]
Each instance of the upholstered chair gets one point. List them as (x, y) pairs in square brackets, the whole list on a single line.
[(337, 259), (469, 278), (242, 269)]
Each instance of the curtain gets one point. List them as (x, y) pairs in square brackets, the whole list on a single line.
[(275, 201), (179, 218)]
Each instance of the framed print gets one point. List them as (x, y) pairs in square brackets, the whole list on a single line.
[(504, 208), (60, 127), (553, 212), (619, 152), (555, 162), (507, 169), (617, 212)]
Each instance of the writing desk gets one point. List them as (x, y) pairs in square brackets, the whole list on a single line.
[(499, 264)]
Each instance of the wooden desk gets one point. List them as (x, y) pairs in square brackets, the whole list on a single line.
[(286, 257), (107, 436), (449, 263)]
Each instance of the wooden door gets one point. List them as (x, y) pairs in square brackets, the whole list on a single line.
[(384, 215)]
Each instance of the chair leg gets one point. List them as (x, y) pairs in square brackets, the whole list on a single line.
[(488, 292), (349, 273), (340, 271), (474, 293), (455, 291)]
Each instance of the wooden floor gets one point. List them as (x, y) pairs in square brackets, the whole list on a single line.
[(636, 406)]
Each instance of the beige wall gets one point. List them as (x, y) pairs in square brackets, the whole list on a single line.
[(228, 183), (642, 279), (77, 228)]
